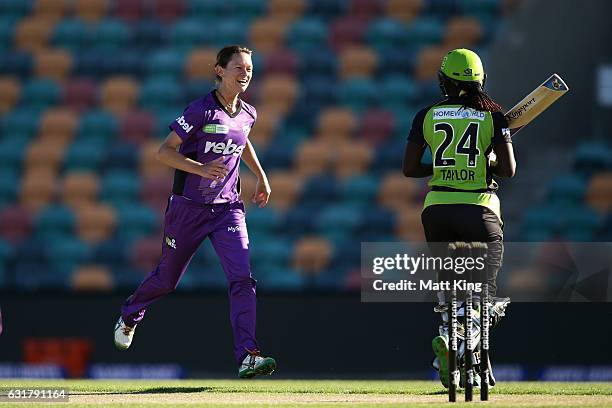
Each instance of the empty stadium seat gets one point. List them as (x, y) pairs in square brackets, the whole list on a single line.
[(119, 94), (150, 167), (92, 278), (377, 126), (187, 34), (32, 33), (352, 158), (346, 31), (404, 10), (10, 89), (130, 10), (365, 9), (409, 226), (426, 30), (200, 64), (397, 191), (312, 255), (336, 124), (136, 221), (356, 62), (358, 94), (58, 125), (71, 34), (265, 127), (286, 10), (136, 127), (168, 10), (155, 192), (286, 188), (98, 126), (8, 187), (66, 254), (337, 222), (85, 155), (91, 10), (15, 223), (80, 94), (264, 223), (15, 8), (463, 32), (110, 34), (145, 253), (312, 158), (40, 93), (11, 157), (593, 157), (281, 62), (44, 154), (119, 187), (16, 63), (567, 189), (79, 189), (387, 35), (160, 93), (267, 34), (599, 192), (279, 91), (307, 34), (37, 189), (326, 9), (54, 223)]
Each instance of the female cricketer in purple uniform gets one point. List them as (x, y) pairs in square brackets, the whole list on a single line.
[(211, 136)]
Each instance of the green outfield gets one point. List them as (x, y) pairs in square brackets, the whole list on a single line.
[(311, 393)]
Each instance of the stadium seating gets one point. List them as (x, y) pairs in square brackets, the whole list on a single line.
[(88, 88)]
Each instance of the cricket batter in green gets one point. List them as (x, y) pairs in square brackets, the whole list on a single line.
[(461, 131)]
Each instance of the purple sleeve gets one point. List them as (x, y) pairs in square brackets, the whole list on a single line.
[(189, 122)]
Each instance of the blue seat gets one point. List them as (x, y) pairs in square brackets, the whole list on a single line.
[(112, 253), (7, 253), (120, 187), (98, 126), (31, 276), (123, 62), (426, 31), (54, 222), (7, 32), (338, 221), (20, 123), (376, 224), (166, 62), (164, 117), (265, 220), (67, 254), (11, 156), (581, 224), (593, 157), (248, 9), (442, 8), (321, 62), (399, 90), (197, 88), (72, 34), (318, 90), (326, 9), (121, 157), (298, 220), (358, 94), (277, 157), (160, 93), (320, 190), (147, 34), (15, 8), (90, 63), (208, 9), (568, 189), (8, 186), (308, 34), (187, 34), (16, 63), (110, 34), (480, 7), (360, 189), (135, 221), (279, 279), (398, 63), (230, 32), (85, 155), (40, 93), (126, 277), (271, 253), (547, 217), (387, 35), (388, 158)]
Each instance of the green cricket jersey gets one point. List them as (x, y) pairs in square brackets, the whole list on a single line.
[(460, 139)]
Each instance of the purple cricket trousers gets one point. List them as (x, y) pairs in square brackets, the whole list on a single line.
[(186, 225)]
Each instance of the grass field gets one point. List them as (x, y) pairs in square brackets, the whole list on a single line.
[(311, 393)]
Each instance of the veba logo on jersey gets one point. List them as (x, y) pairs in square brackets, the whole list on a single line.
[(183, 123), (224, 148)]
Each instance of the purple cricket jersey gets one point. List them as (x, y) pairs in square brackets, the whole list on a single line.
[(208, 132)]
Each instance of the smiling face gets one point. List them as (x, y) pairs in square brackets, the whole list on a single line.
[(237, 75)]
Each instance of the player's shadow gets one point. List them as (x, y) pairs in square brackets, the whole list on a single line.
[(155, 390), (172, 390)]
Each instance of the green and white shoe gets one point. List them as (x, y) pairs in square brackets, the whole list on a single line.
[(254, 364), (440, 349)]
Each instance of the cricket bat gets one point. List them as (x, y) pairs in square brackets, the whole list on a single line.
[(535, 103)]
